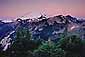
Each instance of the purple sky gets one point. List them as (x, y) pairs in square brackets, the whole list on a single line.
[(16, 8)]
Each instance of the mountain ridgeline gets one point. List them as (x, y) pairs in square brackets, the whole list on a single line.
[(58, 36), (44, 28)]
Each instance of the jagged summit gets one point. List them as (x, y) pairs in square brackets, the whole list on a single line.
[(59, 17)]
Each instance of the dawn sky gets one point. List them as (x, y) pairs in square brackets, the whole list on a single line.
[(16, 8)]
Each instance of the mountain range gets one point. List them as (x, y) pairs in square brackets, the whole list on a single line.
[(44, 27)]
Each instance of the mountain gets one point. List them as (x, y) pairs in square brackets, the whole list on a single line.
[(44, 28), (52, 27)]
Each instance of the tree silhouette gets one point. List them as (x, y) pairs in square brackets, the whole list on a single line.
[(48, 49), (72, 45), (23, 44)]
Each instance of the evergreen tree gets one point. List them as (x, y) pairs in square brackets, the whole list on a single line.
[(72, 45), (48, 49), (23, 44)]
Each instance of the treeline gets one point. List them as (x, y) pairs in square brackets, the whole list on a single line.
[(25, 46)]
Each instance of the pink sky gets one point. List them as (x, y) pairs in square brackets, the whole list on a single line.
[(16, 8)]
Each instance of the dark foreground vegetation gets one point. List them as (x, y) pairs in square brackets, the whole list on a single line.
[(25, 46)]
